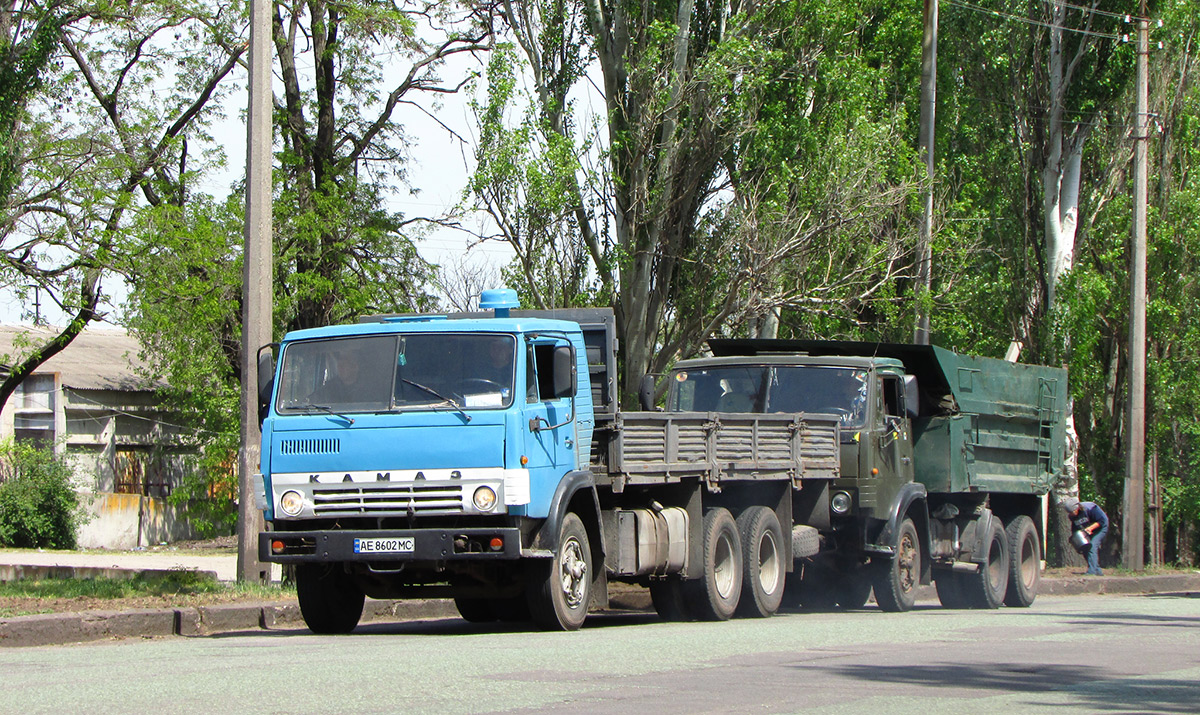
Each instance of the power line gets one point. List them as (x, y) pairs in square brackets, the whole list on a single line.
[(1031, 21)]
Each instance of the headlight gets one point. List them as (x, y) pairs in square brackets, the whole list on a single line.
[(484, 498), (291, 503), (840, 503)]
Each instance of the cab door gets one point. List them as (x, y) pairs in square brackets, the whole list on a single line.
[(550, 439)]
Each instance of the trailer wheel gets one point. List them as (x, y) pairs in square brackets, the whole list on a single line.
[(896, 579), (330, 602), (559, 591), (1025, 562), (670, 599), (986, 587), (763, 569), (714, 596), (475, 610)]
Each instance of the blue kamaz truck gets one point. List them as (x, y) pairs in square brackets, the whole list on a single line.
[(483, 458)]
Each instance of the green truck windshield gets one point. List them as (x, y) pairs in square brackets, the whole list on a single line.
[(379, 373), (773, 388)]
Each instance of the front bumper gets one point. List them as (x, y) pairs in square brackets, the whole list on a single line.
[(427, 545)]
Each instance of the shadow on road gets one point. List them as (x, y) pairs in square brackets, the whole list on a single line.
[(1094, 689)]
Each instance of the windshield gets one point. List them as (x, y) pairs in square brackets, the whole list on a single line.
[(760, 388), (379, 373)]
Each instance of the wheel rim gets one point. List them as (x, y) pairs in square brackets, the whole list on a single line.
[(1029, 562), (906, 563), (724, 576), (768, 563), (572, 573), (995, 563)]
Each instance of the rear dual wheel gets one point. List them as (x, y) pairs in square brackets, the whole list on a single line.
[(715, 595), (762, 562), (986, 587)]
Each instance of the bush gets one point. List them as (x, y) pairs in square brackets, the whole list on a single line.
[(38, 506)]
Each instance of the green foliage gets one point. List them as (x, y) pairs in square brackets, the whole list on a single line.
[(23, 57), (38, 506)]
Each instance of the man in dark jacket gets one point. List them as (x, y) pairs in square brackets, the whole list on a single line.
[(1088, 517)]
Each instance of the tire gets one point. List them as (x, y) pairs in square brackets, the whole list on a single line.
[(514, 609), (669, 599), (714, 596), (852, 589), (559, 592), (330, 602), (986, 587), (763, 568), (1025, 562), (475, 610), (949, 590), (896, 579)]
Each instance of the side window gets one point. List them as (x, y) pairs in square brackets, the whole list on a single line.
[(893, 398), (541, 371), (531, 380)]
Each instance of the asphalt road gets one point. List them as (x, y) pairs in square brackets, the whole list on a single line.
[(1076, 654)]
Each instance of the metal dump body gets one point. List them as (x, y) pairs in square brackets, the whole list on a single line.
[(663, 447), (1001, 427)]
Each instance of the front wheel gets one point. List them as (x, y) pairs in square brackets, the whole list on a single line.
[(714, 596), (559, 593), (330, 602), (897, 578)]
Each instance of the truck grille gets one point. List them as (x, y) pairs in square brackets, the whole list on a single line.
[(310, 446), (386, 500)]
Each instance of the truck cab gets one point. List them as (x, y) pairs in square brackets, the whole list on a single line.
[(422, 454)]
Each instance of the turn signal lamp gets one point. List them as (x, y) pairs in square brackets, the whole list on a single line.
[(277, 546), (524, 460), (496, 543), (484, 498)]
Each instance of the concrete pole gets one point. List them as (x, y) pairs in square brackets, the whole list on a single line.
[(256, 283), (925, 143), (1133, 536)]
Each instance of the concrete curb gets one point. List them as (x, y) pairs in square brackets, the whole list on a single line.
[(63, 628), (10, 572)]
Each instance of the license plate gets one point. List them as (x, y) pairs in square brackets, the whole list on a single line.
[(401, 545)]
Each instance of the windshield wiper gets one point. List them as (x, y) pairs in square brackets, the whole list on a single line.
[(325, 408), (440, 396)]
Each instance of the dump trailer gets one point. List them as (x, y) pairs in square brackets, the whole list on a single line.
[(482, 457), (945, 463)]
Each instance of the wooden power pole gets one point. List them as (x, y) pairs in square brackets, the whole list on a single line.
[(925, 143), (256, 284), (1134, 503)]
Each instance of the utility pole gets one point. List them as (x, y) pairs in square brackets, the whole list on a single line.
[(1133, 535), (256, 284), (925, 143)]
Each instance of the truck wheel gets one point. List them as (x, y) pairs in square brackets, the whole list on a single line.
[(986, 587), (853, 589), (1025, 562), (559, 592), (763, 569), (669, 599), (329, 601), (949, 590), (475, 610), (714, 596), (897, 578)]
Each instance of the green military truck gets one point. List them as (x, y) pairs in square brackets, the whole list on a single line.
[(945, 462)]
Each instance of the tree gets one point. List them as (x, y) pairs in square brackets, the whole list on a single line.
[(107, 137)]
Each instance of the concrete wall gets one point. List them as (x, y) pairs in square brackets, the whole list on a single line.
[(115, 518)]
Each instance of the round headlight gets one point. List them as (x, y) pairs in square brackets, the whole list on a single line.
[(291, 503), (840, 503), (484, 498)]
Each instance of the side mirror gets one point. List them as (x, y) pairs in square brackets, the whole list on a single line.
[(266, 379), (646, 393), (912, 397), (564, 371)]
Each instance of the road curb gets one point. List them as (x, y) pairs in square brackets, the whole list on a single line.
[(64, 628)]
